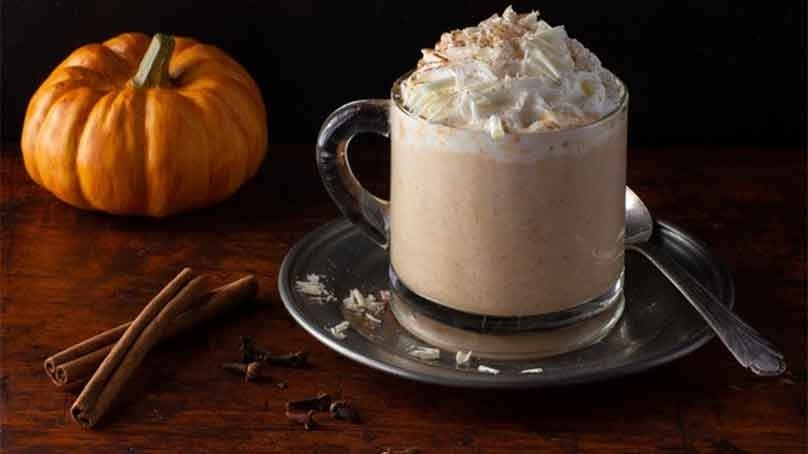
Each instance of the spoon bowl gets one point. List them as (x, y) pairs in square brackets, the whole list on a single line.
[(639, 223)]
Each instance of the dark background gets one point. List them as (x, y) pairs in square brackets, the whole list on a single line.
[(717, 72)]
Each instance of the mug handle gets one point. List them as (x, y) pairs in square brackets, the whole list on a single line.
[(361, 207)]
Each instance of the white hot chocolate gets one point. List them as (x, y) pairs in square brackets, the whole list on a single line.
[(508, 171)]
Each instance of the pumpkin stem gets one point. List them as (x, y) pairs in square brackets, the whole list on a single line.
[(153, 69)]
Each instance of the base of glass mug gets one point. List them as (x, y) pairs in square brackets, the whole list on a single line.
[(507, 337)]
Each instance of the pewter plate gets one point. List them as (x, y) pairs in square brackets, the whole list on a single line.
[(657, 326)]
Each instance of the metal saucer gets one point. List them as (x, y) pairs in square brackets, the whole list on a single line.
[(657, 326)]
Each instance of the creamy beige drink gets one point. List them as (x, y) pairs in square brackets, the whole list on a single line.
[(483, 232), (508, 171), (505, 223)]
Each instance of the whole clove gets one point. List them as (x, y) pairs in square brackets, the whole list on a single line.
[(306, 418), (320, 403), (236, 368), (344, 411), (296, 359), (253, 371), (250, 352)]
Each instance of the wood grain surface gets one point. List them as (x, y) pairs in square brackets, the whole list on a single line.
[(68, 274)]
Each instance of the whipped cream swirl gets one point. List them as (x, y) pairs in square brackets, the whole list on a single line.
[(511, 73)]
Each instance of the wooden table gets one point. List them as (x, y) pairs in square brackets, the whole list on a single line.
[(67, 274)]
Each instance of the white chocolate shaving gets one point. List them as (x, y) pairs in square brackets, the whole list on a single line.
[(339, 329), (372, 318), (314, 288), (487, 370), (425, 353), (356, 302), (463, 358)]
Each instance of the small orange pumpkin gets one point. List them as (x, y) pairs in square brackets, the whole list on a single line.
[(130, 127)]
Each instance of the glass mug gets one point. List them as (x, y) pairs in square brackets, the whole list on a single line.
[(508, 246)]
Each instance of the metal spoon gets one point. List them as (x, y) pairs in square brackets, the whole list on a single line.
[(746, 345)]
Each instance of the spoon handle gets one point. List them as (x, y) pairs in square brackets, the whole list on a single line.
[(746, 345)]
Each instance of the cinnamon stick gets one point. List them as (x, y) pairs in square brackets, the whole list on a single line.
[(144, 332), (76, 372), (74, 365), (82, 349)]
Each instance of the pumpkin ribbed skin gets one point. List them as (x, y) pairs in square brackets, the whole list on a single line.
[(97, 141)]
